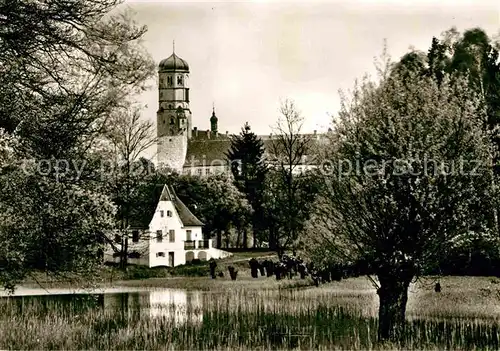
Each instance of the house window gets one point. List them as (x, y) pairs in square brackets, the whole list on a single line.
[(169, 81), (169, 213), (200, 171), (188, 235), (179, 80), (171, 235), (207, 171), (170, 106), (172, 120), (160, 254), (135, 236), (159, 236), (161, 213), (118, 239)]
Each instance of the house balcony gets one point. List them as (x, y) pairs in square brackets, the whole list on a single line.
[(203, 244), (196, 244), (189, 244)]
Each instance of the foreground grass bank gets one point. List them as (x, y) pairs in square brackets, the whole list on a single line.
[(145, 276), (265, 314)]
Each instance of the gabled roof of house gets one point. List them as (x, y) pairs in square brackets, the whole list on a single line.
[(141, 217), (167, 194), (187, 218)]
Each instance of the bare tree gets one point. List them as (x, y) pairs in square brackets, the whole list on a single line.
[(130, 136), (289, 193)]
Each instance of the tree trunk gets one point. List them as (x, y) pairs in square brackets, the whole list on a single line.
[(125, 251), (280, 252), (255, 229), (245, 238), (393, 295), (272, 239), (238, 238), (226, 233), (219, 239)]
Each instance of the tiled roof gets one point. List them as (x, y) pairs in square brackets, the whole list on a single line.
[(207, 152), (197, 134), (212, 152), (167, 194), (187, 218)]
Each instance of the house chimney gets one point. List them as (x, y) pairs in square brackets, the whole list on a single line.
[(195, 130), (270, 135), (208, 133), (315, 132), (227, 133)]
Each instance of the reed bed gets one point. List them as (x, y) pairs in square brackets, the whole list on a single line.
[(236, 319)]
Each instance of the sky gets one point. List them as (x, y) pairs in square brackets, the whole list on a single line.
[(246, 57)]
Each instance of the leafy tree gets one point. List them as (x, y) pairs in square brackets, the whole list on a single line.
[(438, 62), (246, 157), (55, 227), (277, 211), (225, 205), (66, 66), (476, 57), (406, 174)]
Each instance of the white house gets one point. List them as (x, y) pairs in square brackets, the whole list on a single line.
[(173, 236)]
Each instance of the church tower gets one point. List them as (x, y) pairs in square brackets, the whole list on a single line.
[(173, 119), (213, 122)]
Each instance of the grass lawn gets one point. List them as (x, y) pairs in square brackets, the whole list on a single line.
[(158, 276)]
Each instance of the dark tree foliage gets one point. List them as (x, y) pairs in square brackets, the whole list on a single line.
[(213, 200), (473, 55), (65, 66), (246, 158), (437, 60)]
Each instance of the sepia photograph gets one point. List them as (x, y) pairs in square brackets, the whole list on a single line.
[(249, 175)]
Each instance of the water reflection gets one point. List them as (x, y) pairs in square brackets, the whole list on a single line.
[(179, 306)]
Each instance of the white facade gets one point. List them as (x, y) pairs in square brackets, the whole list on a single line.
[(173, 248), (174, 237)]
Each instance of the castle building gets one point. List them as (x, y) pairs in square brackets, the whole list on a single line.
[(181, 146)]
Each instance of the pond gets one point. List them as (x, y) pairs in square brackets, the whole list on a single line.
[(178, 306), (157, 318)]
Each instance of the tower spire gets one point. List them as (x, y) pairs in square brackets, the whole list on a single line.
[(173, 46), (213, 120)]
